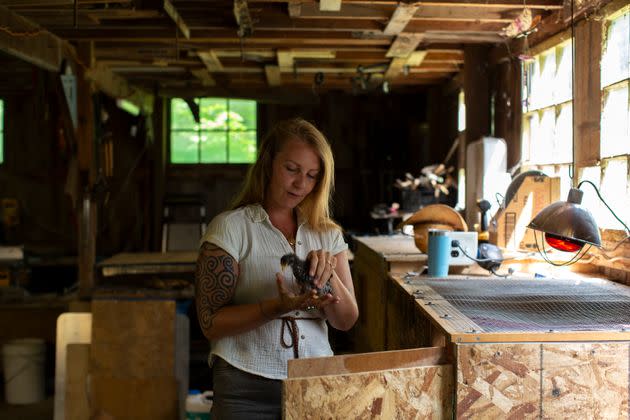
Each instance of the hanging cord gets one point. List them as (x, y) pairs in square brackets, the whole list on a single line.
[(492, 270), (606, 204), (618, 244)]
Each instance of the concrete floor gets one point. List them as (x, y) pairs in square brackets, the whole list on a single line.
[(38, 411)]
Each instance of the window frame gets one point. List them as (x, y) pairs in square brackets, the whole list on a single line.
[(204, 165), (540, 56)]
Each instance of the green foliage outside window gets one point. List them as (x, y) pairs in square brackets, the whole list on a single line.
[(226, 132)]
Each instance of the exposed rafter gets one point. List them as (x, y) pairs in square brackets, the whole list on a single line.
[(273, 75), (25, 39), (330, 5), (404, 44), (210, 60), (172, 12), (205, 77), (401, 17)]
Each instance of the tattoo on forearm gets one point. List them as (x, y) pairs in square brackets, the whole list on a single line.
[(215, 282)]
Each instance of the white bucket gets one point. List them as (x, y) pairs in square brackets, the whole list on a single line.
[(23, 362)]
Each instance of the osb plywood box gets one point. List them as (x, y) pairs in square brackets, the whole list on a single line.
[(508, 228)]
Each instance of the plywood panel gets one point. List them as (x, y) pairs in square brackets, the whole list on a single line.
[(76, 390), (414, 393), (366, 362), (498, 380), (585, 380), (134, 399), (133, 338)]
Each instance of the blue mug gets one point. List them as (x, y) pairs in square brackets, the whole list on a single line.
[(439, 252)]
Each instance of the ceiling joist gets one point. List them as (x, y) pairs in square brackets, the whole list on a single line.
[(330, 5), (404, 44), (273, 75), (210, 60), (205, 77), (30, 42), (174, 14), (401, 17)]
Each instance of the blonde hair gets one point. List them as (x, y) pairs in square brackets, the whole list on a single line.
[(315, 206)]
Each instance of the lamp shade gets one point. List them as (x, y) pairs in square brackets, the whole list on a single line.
[(568, 220)]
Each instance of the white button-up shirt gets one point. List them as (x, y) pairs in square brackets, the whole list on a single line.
[(257, 246)]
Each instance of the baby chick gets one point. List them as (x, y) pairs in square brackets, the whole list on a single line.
[(300, 272)]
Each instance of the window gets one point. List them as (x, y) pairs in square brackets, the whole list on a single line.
[(547, 107), (1, 131), (615, 75), (225, 133), (613, 179), (547, 127)]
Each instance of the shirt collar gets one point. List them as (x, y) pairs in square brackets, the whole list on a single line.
[(257, 214)]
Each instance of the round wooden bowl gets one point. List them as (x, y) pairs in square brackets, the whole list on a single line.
[(421, 234)]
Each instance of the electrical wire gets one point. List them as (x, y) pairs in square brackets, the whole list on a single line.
[(606, 204), (476, 259)]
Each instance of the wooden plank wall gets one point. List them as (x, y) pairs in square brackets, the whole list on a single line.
[(549, 380)]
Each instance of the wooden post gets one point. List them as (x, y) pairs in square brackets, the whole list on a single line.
[(476, 89), (587, 93), (160, 121), (87, 166)]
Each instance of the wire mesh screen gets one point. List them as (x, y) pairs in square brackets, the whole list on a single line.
[(537, 305)]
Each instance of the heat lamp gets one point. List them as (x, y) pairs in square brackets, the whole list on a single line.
[(568, 226)]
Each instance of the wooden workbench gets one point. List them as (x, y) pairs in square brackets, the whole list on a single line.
[(375, 257), (513, 348)]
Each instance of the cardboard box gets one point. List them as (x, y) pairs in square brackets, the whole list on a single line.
[(508, 227)]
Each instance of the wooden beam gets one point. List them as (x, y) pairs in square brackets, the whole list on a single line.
[(330, 5), (395, 68), (404, 44), (587, 99), (224, 38), (273, 75), (30, 42), (401, 17), (243, 18), (348, 11), (117, 87), (285, 59), (174, 14), (205, 77), (210, 60), (415, 58)]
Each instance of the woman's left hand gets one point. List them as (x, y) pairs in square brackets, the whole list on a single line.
[(322, 266)]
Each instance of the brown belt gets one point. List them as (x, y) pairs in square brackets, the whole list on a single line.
[(289, 322)]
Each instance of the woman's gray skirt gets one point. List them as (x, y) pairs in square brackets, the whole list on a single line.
[(241, 395)]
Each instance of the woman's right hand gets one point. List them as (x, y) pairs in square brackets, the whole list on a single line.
[(290, 301)]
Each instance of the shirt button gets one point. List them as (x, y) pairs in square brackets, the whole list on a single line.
[(302, 337), (299, 242)]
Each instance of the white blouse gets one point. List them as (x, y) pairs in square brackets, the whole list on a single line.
[(249, 237)]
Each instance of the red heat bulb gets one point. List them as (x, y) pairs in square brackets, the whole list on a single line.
[(563, 244)]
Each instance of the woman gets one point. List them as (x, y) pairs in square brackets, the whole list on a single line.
[(254, 316)]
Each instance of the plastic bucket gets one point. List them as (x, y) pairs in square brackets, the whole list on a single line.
[(23, 362)]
